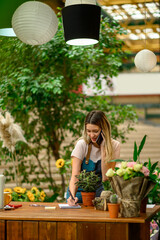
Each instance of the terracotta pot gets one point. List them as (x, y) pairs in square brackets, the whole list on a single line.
[(143, 205), (87, 198), (113, 209)]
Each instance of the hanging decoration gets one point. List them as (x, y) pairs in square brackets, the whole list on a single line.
[(145, 60), (81, 22), (34, 23)]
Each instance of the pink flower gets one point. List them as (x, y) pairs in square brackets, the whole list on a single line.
[(153, 225), (131, 164), (156, 172), (145, 171), (118, 165)]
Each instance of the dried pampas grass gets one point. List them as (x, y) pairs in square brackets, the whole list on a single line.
[(10, 132)]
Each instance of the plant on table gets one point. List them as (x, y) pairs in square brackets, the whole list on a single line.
[(113, 206), (133, 180), (88, 182), (23, 195)]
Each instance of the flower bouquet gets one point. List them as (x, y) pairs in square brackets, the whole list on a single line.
[(154, 230), (132, 181)]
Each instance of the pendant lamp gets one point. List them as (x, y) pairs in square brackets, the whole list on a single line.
[(81, 22), (34, 23), (145, 60)]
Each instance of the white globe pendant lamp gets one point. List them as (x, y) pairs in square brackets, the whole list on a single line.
[(81, 22), (145, 60), (34, 23)]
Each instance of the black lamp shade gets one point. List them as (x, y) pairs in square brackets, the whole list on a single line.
[(81, 23)]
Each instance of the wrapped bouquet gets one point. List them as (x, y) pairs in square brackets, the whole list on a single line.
[(132, 181)]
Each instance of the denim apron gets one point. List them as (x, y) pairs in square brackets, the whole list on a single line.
[(89, 165)]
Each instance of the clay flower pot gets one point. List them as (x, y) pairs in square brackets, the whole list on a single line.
[(87, 198), (113, 209)]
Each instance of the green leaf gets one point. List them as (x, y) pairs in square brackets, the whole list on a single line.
[(149, 165), (117, 160), (153, 167), (141, 145), (135, 154)]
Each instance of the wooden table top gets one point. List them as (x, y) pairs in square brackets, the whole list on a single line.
[(85, 214)]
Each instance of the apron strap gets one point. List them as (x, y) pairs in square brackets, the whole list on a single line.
[(88, 153)]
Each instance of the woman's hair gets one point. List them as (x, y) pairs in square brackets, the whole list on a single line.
[(98, 118)]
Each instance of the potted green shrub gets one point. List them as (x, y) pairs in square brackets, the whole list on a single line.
[(113, 206), (88, 182)]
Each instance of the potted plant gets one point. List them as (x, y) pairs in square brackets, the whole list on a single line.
[(132, 181), (88, 182), (113, 206)]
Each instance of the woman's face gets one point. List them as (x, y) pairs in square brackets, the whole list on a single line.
[(93, 131)]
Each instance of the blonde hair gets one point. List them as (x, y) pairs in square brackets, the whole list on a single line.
[(98, 118)]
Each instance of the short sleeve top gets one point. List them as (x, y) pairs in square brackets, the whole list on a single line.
[(81, 149)]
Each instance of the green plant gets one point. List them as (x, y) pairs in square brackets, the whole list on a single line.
[(134, 168), (113, 198), (107, 186), (88, 181), (23, 195)]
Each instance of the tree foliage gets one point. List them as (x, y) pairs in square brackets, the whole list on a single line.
[(39, 87)]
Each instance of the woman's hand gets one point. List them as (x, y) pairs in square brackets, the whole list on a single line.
[(72, 202)]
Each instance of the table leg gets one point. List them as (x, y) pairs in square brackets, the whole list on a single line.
[(2, 229), (139, 231)]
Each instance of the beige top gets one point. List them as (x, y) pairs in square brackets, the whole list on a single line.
[(81, 149)]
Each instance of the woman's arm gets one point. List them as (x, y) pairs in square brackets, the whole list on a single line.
[(76, 168), (106, 165)]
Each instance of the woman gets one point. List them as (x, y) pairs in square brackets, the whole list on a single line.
[(93, 153)]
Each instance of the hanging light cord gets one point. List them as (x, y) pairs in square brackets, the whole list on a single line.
[(145, 22)]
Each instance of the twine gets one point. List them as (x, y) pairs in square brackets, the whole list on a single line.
[(130, 200)]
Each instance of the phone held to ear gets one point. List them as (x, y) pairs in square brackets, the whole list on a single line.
[(99, 139)]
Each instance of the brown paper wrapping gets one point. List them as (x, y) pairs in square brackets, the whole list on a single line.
[(131, 192)]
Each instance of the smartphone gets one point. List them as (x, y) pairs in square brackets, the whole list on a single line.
[(99, 138)]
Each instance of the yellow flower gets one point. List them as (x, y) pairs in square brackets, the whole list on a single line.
[(60, 163), (42, 195), (18, 189), (8, 190), (24, 190), (30, 196), (34, 190)]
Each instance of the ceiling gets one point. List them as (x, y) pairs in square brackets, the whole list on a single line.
[(139, 17), (141, 20)]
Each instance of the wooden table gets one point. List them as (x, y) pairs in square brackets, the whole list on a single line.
[(36, 223)]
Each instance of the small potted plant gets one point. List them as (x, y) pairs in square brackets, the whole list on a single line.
[(88, 182), (113, 206)]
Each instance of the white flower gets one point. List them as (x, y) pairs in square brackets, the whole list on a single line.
[(129, 170), (10, 132), (137, 167), (110, 173), (123, 164), (120, 172)]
